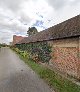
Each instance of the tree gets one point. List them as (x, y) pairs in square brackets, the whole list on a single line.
[(32, 31)]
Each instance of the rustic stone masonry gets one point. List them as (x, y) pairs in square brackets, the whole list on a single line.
[(65, 41), (78, 71), (65, 54)]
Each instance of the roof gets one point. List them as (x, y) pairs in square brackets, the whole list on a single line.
[(16, 39), (68, 28)]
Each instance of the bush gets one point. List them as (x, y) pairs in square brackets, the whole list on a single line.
[(40, 49)]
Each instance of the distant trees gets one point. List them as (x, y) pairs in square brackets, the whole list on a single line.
[(32, 31), (2, 45)]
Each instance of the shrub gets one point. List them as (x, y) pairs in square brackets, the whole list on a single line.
[(40, 49)]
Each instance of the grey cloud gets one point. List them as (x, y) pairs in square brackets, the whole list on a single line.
[(59, 4), (14, 5), (12, 26), (5, 36), (25, 19), (75, 2)]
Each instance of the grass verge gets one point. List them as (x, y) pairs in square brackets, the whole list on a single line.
[(57, 82)]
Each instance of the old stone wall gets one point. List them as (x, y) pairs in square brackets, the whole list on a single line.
[(78, 71), (65, 55)]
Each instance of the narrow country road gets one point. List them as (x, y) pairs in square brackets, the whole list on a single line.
[(16, 76)]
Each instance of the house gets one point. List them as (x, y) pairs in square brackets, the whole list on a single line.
[(16, 39)]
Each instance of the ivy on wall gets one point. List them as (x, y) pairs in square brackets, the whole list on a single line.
[(39, 50)]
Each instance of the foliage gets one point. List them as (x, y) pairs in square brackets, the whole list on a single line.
[(41, 50), (31, 31), (22, 53), (2, 45), (56, 81)]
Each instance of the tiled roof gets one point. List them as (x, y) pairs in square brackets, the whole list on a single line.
[(68, 28), (16, 39)]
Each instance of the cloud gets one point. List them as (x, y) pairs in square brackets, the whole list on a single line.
[(24, 19), (16, 16), (13, 5), (59, 4), (38, 23), (5, 36)]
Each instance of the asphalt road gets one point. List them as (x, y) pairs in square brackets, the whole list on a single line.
[(16, 76)]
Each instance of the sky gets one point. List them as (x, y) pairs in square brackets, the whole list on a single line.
[(16, 16)]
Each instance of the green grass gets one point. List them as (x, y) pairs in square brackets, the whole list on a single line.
[(56, 81)]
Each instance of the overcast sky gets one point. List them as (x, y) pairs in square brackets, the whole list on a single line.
[(16, 16)]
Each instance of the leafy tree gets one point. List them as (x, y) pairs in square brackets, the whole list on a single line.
[(32, 31)]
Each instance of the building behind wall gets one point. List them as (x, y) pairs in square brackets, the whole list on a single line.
[(65, 41), (16, 39)]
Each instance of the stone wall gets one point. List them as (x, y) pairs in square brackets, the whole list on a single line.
[(78, 71), (65, 55)]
